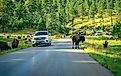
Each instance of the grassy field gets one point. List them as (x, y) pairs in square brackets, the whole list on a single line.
[(109, 57)]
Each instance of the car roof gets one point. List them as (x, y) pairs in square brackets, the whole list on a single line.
[(98, 32), (41, 31)]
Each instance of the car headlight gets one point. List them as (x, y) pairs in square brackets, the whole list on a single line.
[(46, 40)]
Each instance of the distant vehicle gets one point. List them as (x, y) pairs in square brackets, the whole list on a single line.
[(106, 33), (41, 37), (98, 33)]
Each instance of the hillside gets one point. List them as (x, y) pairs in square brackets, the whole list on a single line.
[(54, 15), (78, 22)]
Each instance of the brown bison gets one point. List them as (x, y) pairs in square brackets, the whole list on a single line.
[(4, 46), (15, 43), (105, 44), (76, 39)]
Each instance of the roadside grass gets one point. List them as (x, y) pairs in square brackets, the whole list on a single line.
[(109, 57), (22, 45)]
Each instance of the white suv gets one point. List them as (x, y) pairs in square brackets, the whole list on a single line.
[(41, 37), (98, 33)]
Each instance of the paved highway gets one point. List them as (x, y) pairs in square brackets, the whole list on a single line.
[(56, 60)]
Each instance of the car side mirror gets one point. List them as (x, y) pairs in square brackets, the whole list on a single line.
[(32, 35), (49, 34)]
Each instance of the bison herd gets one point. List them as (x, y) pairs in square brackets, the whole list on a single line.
[(14, 44), (4, 45)]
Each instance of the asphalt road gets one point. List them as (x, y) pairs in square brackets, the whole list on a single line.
[(56, 60)]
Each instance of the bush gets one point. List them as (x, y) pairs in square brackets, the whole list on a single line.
[(89, 33), (117, 30), (102, 38)]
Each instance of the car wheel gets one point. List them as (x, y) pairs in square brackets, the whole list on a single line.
[(49, 44), (33, 45)]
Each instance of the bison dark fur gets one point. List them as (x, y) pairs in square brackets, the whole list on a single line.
[(4, 46), (15, 43)]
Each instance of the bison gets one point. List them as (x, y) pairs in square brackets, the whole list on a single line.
[(105, 44), (76, 39), (15, 43), (4, 46)]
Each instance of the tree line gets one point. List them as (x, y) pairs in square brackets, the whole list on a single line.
[(53, 15)]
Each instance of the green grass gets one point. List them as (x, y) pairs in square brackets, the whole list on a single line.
[(5, 39), (22, 45), (102, 38), (109, 57)]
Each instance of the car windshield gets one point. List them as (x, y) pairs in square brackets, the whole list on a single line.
[(41, 33), (99, 32)]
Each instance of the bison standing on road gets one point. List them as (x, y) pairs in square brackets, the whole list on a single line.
[(76, 40)]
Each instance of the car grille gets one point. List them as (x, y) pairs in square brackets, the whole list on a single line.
[(40, 38), (43, 38)]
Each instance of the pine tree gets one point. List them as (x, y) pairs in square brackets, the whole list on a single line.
[(6, 11), (110, 9), (101, 9), (117, 7), (86, 7), (93, 10), (81, 9)]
